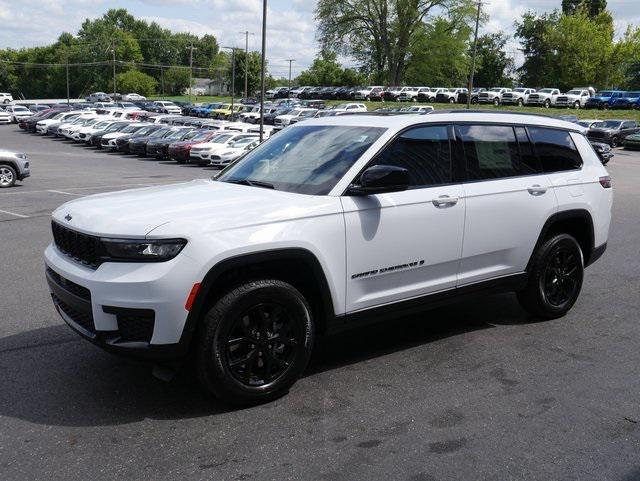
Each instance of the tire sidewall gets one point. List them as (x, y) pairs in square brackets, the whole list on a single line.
[(220, 320), (13, 172), (544, 254)]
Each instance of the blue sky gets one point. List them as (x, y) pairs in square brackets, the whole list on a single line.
[(291, 27)]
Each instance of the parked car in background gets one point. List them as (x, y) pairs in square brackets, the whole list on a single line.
[(630, 100), (365, 93), (543, 98), (180, 150), (612, 132), (95, 139), (5, 117), (391, 94), (632, 142), (233, 151), (604, 99), (575, 98), (587, 123), (98, 97), (166, 107), (517, 96), (277, 93), (35, 108), (201, 153), (350, 107), (133, 97), (18, 112), (295, 93), (449, 96), (285, 119), (604, 151), (6, 98), (493, 96), (409, 94), (159, 147), (14, 166)]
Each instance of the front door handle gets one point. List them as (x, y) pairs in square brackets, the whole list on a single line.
[(537, 190), (445, 201)]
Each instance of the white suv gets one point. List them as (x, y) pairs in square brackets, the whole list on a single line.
[(332, 222), (6, 98)]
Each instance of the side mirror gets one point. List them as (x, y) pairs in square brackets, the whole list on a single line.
[(381, 179)]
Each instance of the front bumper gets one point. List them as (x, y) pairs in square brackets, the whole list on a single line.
[(127, 308)]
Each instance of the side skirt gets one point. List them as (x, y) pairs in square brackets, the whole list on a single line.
[(511, 283)]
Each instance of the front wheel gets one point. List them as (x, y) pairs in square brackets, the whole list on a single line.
[(520, 103), (496, 101), (555, 278), (547, 104), (576, 105), (255, 342), (614, 141), (7, 176)]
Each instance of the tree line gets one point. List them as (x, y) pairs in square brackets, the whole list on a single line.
[(390, 42)]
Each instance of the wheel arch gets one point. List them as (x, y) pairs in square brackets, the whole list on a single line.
[(576, 222), (291, 265)]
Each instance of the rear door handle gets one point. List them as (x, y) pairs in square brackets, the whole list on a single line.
[(445, 201), (537, 190)]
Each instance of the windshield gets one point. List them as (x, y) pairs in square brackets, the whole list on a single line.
[(101, 125), (308, 113), (608, 124), (574, 92), (584, 123), (496, 89), (304, 159), (605, 93), (177, 134), (519, 90), (236, 144), (115, 128), (545, 91)]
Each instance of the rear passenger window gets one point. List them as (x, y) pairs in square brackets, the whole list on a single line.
[(491, 151), (555, 149), (424, 152), (529, 164)]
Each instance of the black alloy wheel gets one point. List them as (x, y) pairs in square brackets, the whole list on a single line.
[(561, 277), (554, 279), (262, 344)]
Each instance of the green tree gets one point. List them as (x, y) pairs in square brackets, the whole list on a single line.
[(325, 70), (254, 68), (176, 80), (540, 67), (439, 55), (136, 81), (593, 7), (493, 65), (380, 33)]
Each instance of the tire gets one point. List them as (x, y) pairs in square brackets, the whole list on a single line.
[(8, 176), (496, 101), (452, 100), (547, 104), (614, 141), (576, 105), (605, 106), (231, 333), (367, 98), (474, 100), (520, 102), (555, 278)]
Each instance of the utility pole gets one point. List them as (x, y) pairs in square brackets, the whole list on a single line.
[(233, 76), (191, 49), (161, 82), (262, 61), (113, 52), (291, 60), (67, 69), (473, 56), (246, 63)]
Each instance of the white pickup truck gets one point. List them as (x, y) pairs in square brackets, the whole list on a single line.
[(543, 98), (575, 98), (517, 96), (493, 96)]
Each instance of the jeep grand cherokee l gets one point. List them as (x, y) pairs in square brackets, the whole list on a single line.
[(331, 223)]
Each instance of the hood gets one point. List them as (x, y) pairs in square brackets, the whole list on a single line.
[(187, 207), (601, 129)]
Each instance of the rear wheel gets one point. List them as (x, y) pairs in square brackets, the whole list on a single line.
[(614, 141), (255, 342), (555, 278), (8, 176)]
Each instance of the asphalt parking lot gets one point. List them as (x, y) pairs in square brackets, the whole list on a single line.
[(474, 391)]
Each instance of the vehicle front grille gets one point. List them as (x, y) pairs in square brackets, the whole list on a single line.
[(533, 97), (72, 287), (81, 247), (562, 99), (484, 96), (596, 134), (83, 320)]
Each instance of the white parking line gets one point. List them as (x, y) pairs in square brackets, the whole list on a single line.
[(96, 187), (65, 193), (13, 213)]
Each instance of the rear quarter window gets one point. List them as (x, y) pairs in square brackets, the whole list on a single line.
[(555, 149)]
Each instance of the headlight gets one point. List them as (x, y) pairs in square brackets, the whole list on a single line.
[(21, 156), (158, 250)]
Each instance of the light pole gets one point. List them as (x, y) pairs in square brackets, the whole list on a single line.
[(246, 63), (113, 51), (233, 76), (67, 69), (291, 60), (473, 56), (191, 49), (262, 61)]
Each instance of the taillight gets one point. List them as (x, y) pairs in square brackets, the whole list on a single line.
[(605, 182)]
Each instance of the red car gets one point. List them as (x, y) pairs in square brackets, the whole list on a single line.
[(179, 151)]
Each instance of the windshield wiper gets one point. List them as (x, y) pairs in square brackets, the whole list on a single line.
[(252, 183)]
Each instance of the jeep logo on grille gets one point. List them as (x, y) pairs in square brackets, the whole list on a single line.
[(68, 217)]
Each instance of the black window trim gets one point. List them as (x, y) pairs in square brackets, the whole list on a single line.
[(458, 160)]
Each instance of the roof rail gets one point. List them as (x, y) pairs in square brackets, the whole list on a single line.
[(483, 111)]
